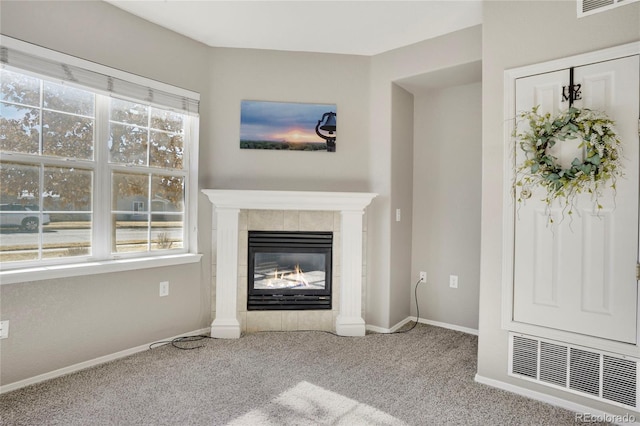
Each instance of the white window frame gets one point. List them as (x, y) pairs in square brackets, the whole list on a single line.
[(102, 260)]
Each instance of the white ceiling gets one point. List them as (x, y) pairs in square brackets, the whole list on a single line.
[(348, 27)]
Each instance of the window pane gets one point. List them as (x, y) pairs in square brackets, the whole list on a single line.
[(20, 183), (129, 112), (166, 150), (131, 232), (19, 129), (68, 99), (131, 204), (67, 196), (17, 245), (168, 121), (67, 189), (167, 206), (67, 235), (67, 135), (19, 88), (127, 144), (168, 194), (19, 212), (130, 193), (166, 231)]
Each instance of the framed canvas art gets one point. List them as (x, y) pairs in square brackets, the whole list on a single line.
[(287, 126)]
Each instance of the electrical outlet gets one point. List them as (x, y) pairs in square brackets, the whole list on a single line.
[(453, 281), (164, 288), (398, 215), (423, 277), (4, 329)]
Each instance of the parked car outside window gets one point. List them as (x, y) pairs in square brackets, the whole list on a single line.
[(23, 216)]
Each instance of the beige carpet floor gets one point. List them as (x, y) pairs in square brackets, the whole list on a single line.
[(423, 377)]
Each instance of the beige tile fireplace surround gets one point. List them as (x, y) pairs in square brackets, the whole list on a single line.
[(236, 212)]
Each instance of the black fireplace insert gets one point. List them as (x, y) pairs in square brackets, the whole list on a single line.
[(289, 270)]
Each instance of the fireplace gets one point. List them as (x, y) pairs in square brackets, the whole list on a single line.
[(238, 211), (289, 270)]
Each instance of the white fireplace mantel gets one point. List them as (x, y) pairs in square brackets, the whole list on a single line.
[(227, 205)]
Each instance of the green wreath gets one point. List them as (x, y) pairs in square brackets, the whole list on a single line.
[(602, 155)]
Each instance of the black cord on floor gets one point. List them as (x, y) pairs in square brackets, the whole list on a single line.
[(183, 339), (415, 293)]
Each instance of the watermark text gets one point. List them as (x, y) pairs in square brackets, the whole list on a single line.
[(602, 418)]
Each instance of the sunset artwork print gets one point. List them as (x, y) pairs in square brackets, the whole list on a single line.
[(286, 126)]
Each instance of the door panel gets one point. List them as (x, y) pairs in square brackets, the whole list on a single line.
[(578, 274)]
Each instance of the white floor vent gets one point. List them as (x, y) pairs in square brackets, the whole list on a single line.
[(604, 376)]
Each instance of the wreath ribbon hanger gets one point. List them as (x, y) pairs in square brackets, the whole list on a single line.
[(571, 91)]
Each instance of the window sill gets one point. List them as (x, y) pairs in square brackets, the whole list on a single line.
[(91, 268)]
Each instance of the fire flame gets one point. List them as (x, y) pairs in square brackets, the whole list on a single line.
[(299, 276)]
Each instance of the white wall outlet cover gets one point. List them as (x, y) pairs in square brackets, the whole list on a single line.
[(4, 329), (164, 288), (453, 281)]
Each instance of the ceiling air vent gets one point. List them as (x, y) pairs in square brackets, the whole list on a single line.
[(588, 372), (589, 7)]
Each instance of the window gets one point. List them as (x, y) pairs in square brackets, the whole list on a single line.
[(89, 174), (146, 151)]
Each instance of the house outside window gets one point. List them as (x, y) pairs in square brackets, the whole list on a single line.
[(89, 174)]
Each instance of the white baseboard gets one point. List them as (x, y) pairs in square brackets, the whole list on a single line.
[(399, 325), (86, 364), (377, 329), (393, 329), (449, 326), (558, 402)]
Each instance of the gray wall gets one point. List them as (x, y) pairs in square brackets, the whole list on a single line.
[(57, 323), (447, 190), (99, 32), (62, 322), (386, 273), (248, 74), (402, 135), (515, 34)]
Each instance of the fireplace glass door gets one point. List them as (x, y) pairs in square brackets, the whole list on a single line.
[(289, 270)]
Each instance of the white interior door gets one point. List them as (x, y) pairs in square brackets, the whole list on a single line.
[(579, 274)]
